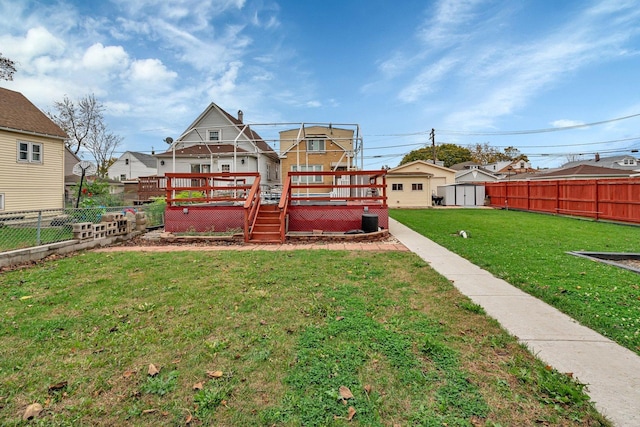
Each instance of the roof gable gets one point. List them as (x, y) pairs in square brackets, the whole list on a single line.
[(243, 128), (17, 113), (419, 165), (147, 159)]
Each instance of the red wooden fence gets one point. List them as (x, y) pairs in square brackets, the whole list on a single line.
[(609, 199)]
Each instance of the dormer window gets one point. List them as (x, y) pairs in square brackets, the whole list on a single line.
[(214, 136)]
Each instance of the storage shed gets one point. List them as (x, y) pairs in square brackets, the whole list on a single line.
[(462, 194)]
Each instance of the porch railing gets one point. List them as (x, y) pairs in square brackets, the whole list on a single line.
[(251, 207), (364, 187), (204, 188)]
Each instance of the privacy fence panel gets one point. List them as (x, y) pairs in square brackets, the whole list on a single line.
[(608, 199)]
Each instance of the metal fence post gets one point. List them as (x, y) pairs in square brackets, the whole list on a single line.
[(38, 239)]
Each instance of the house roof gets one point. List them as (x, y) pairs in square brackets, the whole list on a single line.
[(584, 170), (202, 150), (18, 114), (147, 159), (465, 165), (478, 171), (246, 130), (397, 169), (606, 162)]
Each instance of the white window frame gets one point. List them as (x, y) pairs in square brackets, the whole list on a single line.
[(1, 201), (123, 177), (32, 156), (397, 187), (226, 166), (417, 186), (316, 145), (307, 179), (217, 132)]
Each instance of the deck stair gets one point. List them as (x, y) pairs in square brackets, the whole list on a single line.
[(267, 228)]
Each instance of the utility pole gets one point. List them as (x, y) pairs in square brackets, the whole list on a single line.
[(433, 145)]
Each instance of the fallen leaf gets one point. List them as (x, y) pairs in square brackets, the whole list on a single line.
[(58, 386), (188, 419), (198, 386), (352, 412), (345, 393), (214, 374), (149, 411), (339, 318), (153, 370), (367, 388), (263, 322), (569, 374), (127, 374), (26, 297), (176, 361), (32, 411)]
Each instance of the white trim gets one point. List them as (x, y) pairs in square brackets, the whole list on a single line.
[(30, 153), (219, 136), (1, 201)]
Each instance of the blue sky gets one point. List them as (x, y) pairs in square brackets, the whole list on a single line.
[(478, 71)]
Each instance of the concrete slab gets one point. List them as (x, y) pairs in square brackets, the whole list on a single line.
[(611, 372)]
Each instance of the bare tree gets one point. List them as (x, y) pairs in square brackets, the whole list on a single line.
[(102, 143), (7, 68), (84, 123), (78, 120)]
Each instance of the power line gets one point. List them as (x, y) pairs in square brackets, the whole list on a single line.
[(533, 131)]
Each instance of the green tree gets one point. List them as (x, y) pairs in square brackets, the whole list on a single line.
[(449, 154), (485, 154)]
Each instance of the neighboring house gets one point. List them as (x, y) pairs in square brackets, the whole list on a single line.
[(70, 160), (474, 175), (132, 165), (466, 165), (32, 153), (510, 167), (218, 142), (415, 184), (584, 172), (624, 162), (317, 149)]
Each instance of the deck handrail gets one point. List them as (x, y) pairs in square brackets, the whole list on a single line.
[(283, 206), (208, 186), (251, 208)]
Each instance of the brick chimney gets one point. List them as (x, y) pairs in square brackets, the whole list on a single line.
[(597, 157), (240, 116)]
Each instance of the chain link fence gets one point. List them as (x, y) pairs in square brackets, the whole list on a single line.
[(24, 229)]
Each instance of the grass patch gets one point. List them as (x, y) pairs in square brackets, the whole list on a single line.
[(528, 250), (264, 338)]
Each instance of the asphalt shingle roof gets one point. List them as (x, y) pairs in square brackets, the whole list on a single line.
[(19, 114)]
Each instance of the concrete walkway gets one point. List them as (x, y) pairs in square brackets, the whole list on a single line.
[(611, 372)]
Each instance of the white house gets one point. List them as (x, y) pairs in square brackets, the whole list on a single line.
[(132, 165), (218, 142)]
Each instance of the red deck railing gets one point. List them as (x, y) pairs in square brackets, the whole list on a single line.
[(205, 188)]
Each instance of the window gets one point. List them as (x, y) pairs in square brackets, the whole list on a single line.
[(126, 161), (29, 152), (396, 187), (123, 177), (306, 179), (1, 201), (416, 187), (315, 145), (225, 167), (214, 135)]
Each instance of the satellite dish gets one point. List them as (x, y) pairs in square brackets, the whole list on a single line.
[(84, 168), (168, 140)]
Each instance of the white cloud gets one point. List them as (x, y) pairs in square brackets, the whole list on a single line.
[(564, 123), (99, 57), (426, 81), (38, 41), (151, 72)]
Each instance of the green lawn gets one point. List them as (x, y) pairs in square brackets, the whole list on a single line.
[(25, 237), (264, 338), (528, 250)]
